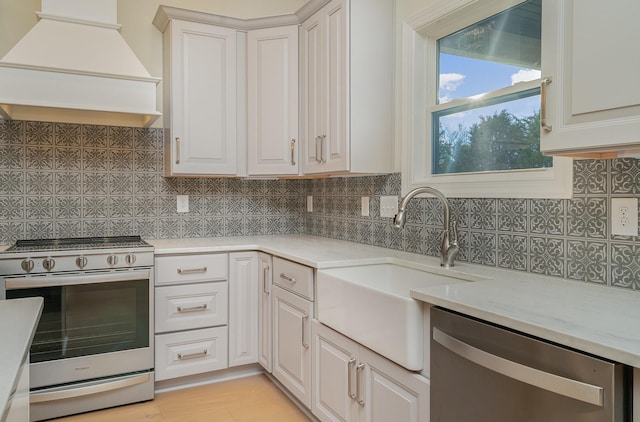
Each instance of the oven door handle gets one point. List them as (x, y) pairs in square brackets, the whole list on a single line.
[(73, 280), (68, 393)]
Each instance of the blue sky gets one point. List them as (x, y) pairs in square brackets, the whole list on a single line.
[(456, 81)]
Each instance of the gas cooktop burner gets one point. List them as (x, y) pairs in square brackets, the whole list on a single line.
[(77, 243)]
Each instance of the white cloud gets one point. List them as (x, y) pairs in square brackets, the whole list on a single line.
[(451, 81), (525, 75)]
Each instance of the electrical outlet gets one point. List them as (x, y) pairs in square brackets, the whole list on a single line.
[(388, 206), (182, 203), (624, 216), (309, 203), (364, 206)]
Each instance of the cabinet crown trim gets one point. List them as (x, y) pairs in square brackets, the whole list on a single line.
[(165, 13)]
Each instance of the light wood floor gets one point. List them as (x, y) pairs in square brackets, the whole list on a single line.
[(253, 398)]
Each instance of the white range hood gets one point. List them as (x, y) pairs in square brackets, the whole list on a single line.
[(74, 66)]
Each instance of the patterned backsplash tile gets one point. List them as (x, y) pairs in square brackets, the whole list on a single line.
[(68, 180), (560, 238)]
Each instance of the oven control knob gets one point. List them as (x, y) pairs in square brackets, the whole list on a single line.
[(81, 262), (130, 259), (27, 265), (48, 264), (112, 260)]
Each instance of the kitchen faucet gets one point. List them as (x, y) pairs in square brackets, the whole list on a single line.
[(449, 249)]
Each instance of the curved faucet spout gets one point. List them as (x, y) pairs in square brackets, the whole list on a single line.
[(449, 249)]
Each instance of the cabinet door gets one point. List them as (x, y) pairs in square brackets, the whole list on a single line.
[(335, 146), (272, 93), (291, 343), (243, 308), (391, 393), (325, 89), (589, 51), (312, 92), (201, 62), (334, 365), (264, 311)]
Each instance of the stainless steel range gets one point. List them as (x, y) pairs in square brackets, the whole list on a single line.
[(93, 347)]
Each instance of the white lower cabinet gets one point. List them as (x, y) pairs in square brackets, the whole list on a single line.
[(243, 308), (291, 342), (352, 383), (265, 276), (191, 314)]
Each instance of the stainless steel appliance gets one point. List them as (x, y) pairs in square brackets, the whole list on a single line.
[(486, 373), (93, 347)]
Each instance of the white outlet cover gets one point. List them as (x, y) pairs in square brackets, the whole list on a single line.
[(309, 203), (388, 206), (624, 216), (182, 202), (364, 206)]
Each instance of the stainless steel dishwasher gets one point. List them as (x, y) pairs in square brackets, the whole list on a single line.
[(486, 373)]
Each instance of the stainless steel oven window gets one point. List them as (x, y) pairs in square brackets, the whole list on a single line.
[(82, 319)]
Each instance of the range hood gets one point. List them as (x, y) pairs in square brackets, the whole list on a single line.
[(74, 66)]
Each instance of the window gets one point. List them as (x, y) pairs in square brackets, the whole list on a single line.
[(475, 74)]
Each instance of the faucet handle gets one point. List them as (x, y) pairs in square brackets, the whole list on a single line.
[(454, 233)]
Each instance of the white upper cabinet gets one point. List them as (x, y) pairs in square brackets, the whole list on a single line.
[(346, 71), (590, 54), (199, 99), (272, 95)]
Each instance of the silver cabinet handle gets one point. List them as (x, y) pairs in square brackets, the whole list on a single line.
[(293, 149), (192, 308), (318, 151), (288, 278), (305, 318), (192, 355), (543, 104), (359, 370), (323, 138), (350, 366), (178, 142), (265, 276), (560, 385), (182, 271)]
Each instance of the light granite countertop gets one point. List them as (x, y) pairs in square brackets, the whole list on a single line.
[(18, 321), (600, 320)]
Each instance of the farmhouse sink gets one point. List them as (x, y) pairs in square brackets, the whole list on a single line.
[(372, 305)]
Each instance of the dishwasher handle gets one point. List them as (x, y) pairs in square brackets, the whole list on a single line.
[(567, 387)]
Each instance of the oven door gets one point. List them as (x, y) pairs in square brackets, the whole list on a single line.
[(93, 325)]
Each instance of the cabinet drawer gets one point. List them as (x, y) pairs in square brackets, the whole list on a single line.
[(190, 352), (186, 307), (294, 277), (190, 268)]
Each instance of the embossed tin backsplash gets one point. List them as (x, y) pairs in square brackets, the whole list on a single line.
[(66, 180)]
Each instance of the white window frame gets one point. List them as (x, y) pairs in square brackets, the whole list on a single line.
[(419, 93)]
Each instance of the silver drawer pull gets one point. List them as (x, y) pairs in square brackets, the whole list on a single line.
[(289, 278), (182, 271), (193, 308), (193, 355)]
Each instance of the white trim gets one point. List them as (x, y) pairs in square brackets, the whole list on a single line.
[(418, 53)]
